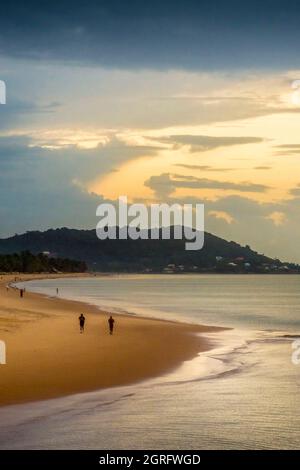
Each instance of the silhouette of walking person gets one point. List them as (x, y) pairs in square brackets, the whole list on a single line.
[(21, 293), (111, 322), (81, 322)]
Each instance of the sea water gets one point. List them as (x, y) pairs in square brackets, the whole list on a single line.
[(244, 393)]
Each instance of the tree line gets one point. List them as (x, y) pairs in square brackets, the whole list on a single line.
[(26, 262)]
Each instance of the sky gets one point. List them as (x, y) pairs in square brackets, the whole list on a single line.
[(193, 101)]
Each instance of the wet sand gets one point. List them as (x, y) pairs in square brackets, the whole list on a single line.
[(47, 357)]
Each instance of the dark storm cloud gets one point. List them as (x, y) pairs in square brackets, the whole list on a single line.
[(69, 161), (42, 188), (17, 111), (160, 34)]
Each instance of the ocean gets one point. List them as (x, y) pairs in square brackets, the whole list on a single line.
[(242, 394)]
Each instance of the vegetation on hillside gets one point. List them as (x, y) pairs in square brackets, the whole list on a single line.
[(26, 262), (217, 255)]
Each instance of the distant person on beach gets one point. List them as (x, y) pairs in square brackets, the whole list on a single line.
[(111, 322), (21, 293), (81, 323), (57, 291)]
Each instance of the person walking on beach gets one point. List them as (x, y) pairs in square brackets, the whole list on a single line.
[(111, 322), (81, 323), (21, 293), (57, 291)]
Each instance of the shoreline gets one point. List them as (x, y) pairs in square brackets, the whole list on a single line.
[(48, 358)]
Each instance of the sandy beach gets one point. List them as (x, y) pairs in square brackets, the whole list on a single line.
[(47, 357)]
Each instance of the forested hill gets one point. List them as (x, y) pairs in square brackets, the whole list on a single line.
[(140, 255)]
